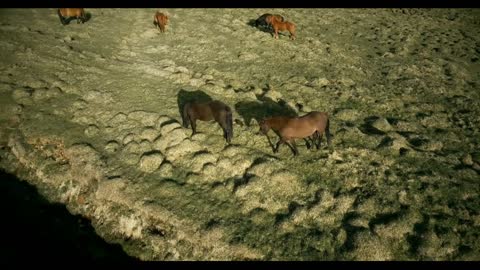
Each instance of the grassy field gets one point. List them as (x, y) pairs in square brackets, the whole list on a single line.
[(89, 114)]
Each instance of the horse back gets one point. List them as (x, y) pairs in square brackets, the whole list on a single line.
[(277, 122), (319, 118), (161, 18), (71, 12), (200, 111)]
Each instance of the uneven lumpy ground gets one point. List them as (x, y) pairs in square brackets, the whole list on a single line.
[(89, 115)]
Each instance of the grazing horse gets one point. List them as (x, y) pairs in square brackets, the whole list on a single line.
[(276, 123), (262, 20), (160, 20), (278, 25), (313, 123), (207, 111), (65, 13)]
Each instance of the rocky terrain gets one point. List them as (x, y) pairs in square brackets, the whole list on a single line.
[(89, 115)]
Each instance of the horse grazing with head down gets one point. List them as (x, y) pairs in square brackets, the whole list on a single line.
[(65, 13), (160, 20), (312, 124), (262, 20), (279, 25), (208, 111)]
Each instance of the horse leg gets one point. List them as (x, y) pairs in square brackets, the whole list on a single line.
[(320, 136), (307, 143), (62, 20), (293, 147), (278, 145), (316, 139), (270, 143), (194, 125)]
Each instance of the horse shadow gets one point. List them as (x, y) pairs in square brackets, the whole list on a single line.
[(88, 16), (264, 107), (262, 27), (185, 96)]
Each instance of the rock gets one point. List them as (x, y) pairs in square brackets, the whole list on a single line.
[(92, 130), (319, 82), (149, 134), (22, 95), (169, 127), (347, 115), (112, 146), (83, 155), (200, 160), (180, 150), (41, 94), (476, 166), (149, 162), (144, 117), (273, 95), (273, 194), (476, 157), (118, 119), (128, 138), (335, 156), (382, 125), (132, 147), (166, 169)]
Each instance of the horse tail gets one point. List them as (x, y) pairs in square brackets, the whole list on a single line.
[(185, 118), (229, 123), (327, 131)]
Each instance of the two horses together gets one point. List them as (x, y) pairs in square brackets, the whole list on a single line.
[(276, 23), (312, 125)]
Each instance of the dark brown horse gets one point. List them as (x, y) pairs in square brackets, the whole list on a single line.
[(65, 13), (208, 111), (312, 124)]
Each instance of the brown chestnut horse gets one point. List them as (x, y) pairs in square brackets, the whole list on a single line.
[(276, 123), (65, 13), (313, 123), (160, 20), (208, 111), (279, 25), (262, 20)]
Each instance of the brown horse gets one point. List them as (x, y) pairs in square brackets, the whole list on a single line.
[(262, 20), (207, 111), (160, 20), (313, 123), (279, 25), (66, 13), (276, 123)]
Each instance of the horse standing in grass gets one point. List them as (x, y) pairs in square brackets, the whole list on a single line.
[(208, 111), (160, 20), (66, 13), (276, 123), (313, 123), (279, 25), (262, 20)]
